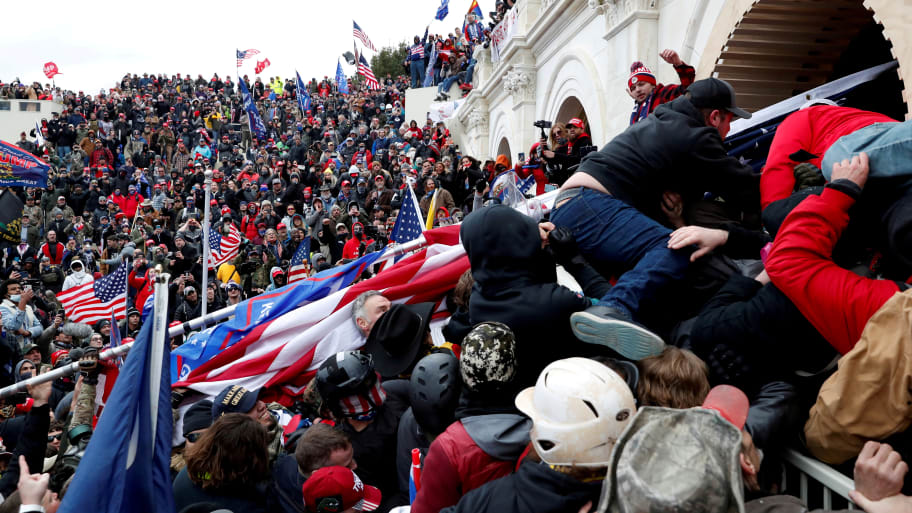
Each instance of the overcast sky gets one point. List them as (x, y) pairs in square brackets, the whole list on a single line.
[(96, 43)]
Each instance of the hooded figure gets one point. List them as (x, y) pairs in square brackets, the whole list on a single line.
[(276, 279), (78, 276), (516, 284)]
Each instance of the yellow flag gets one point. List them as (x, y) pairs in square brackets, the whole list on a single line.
[(432, 211)]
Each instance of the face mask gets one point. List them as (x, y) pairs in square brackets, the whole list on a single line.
[(79, 274), (16, 298), (357, 233)]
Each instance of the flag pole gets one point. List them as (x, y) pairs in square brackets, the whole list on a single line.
[(159, 338), (203, 295), (393, 251)]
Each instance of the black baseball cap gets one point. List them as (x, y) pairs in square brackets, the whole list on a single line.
[(715, 93)]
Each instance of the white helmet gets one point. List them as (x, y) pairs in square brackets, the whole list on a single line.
[(579, 408)]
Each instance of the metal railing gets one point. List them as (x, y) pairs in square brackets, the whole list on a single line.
[(831, 481)]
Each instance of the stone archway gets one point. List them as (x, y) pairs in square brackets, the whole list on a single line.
[(572, 108), (770, 50), (503, 148)]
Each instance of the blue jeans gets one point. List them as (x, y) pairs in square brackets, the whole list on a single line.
[(610, 231), (417, 70), (470, 69), (888, 145), (447, 84), (63, 151)]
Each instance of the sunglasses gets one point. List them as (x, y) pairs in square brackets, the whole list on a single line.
[(193, 437), (51, 438)]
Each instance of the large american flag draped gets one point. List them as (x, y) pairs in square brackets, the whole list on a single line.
[(223, 248), (94, 301), (365, 71), (281, 353), (297, 269), (362, 37), (409, 224), (244, 55)]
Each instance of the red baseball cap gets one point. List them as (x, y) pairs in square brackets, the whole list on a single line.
[(577, 122), (730, 402), (213, 202), (337, 488), (225, 210)]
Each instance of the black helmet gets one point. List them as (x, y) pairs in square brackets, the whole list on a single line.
[(347, 373), (435, 388)]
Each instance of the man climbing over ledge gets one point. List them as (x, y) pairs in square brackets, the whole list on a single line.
[(647, 94), (610, 206)]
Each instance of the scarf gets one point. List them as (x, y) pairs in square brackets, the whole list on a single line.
[(642, 110)]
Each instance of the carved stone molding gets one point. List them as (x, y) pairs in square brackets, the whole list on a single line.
[(619, 13), (478, 120), (520, 83)]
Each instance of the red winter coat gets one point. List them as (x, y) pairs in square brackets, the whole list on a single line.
[(144, 286), (836, 301), (813, 130), (453, 467)]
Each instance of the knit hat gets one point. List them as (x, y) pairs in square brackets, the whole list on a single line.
[(198, 416), (488, 358), (639, 72)]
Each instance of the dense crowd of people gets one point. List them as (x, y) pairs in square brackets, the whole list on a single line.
[(713, 302)]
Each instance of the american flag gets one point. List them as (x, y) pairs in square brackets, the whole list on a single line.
[(363, 37), (282, 352), (297, 269), (223, 249), (408, 223), (365, 71), (94, 301), (246, 54)]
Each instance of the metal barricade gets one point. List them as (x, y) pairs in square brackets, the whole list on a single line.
[(830, 480)]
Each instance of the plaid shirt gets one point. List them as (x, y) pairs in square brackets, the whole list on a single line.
[(664, 93)]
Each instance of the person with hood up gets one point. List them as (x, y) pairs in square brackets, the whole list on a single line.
[(355, 246), (276, 279), (516, 284), (78, 277), (579, 408), (489, 434)]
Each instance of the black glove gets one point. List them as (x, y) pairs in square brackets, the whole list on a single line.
[(89, 369), (563, 247), (480, 185), (808, 175)]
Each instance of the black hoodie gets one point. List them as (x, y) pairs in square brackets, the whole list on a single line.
[(516, 284), (534, 488), (673, 149)]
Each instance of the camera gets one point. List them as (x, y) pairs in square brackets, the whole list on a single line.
[(543, 124)]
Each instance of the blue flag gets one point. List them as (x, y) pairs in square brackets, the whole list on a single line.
[(303, 97), (203, 346), (340, 79), (126, 464), (253, 115), (19, 168), (443, 10)]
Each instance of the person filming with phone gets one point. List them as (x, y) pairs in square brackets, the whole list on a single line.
[(19, 319)]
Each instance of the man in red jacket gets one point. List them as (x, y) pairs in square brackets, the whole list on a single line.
[(826, 134), (836, 301), (489, 435), (866, 320)]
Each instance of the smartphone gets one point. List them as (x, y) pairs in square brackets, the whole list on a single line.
[(521, 156), (26, 287)]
